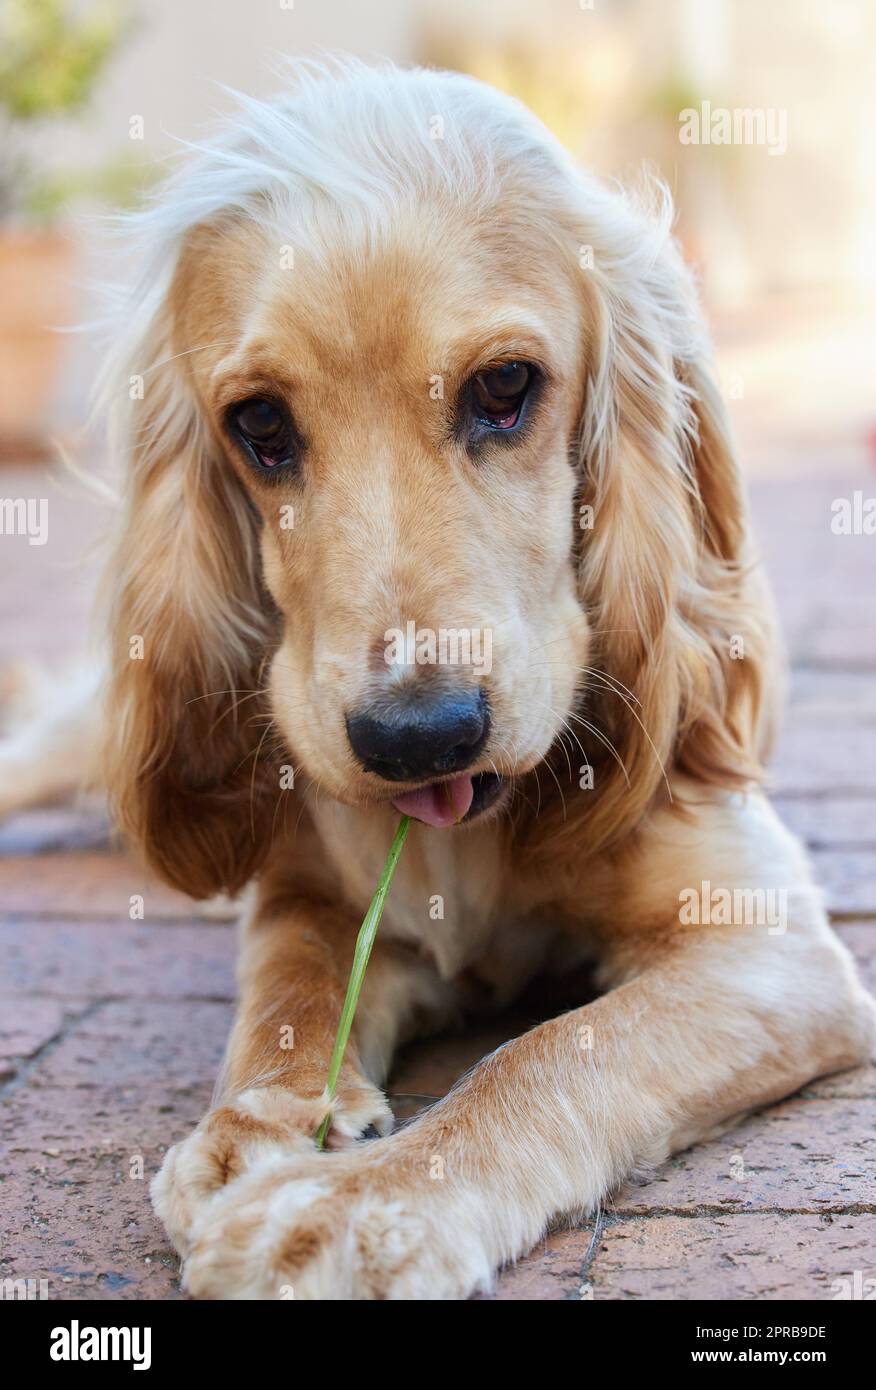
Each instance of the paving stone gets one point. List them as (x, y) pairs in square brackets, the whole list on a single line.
[(53, 829), (118, 958), (844, 630), (132, 1080), (848, 878), (27, 1025), (88, 1229), (860, 938), (92, 885), (139, 1042), (831, 761), (800, 1155), (823, 583), (746, 1256), (99, 1109), (822, 693), (80, 1127), (728, 1257), (831, 822), (550, 1272)]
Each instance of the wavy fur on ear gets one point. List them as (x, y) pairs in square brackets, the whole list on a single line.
[(683, 631), (190, 629)]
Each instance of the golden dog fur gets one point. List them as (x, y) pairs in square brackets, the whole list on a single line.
[(346, 248)]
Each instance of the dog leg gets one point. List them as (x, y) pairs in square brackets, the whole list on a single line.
[(703, 1023), (270, 1100), (50, 736)]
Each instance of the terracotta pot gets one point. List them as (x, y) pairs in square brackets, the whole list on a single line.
[(36, 296)]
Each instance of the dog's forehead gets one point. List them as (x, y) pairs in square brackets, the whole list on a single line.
[(421, 292), (399, 302)]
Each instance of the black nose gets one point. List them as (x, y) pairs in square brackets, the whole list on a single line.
[(421, 734)]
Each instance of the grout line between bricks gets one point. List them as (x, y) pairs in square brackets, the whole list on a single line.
[(52, 918), (840, 847), (865, 916), (69, 1026), (600, 1225), (123, 999), (610, 1217), (708, 1209)]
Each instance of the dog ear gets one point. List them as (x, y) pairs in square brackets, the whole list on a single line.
[(190, 629), (681, 636), (733, 682)]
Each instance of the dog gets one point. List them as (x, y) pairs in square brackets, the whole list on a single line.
[(432, 509)]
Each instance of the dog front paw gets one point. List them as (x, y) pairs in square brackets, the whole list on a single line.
[(261, 1123), (334, 1226)]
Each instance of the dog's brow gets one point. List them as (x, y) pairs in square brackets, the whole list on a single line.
[(234, 377), (503, 335)]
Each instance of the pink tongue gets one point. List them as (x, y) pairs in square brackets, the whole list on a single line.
[(442, 804)]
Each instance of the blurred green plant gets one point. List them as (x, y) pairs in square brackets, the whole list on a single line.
[(52, 55), (50, 59)]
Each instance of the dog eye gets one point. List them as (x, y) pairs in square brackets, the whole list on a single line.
[(265, 429), (499, 394), (260, 421)]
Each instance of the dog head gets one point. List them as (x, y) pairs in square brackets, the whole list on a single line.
[(427, 481)]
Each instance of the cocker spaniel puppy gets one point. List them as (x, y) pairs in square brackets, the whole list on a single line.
[(432, 509)]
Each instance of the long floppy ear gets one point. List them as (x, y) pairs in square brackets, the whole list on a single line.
[(733, 696), (682, 637), (190, 628)]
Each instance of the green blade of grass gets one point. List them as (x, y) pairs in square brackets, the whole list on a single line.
[(364, 943)]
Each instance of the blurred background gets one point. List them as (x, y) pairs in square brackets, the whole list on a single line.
[(781, 225)]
